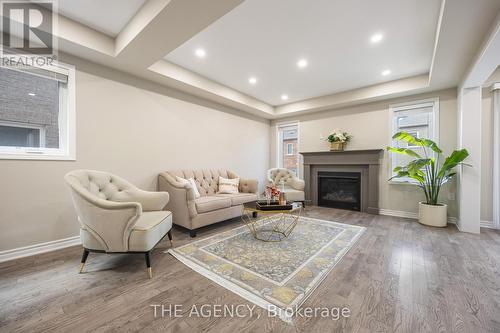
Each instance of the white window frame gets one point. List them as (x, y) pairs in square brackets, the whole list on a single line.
[(40, 128), (67, 126), (433, 128), (279, 144)]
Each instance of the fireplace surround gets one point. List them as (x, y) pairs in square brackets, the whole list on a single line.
[(361, 164)]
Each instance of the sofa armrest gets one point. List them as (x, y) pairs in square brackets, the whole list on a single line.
[(249, 186), (181, 202), (109, 222), (150, 201), (298, 184)]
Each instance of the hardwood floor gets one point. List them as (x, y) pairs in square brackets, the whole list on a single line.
[(399, 277)]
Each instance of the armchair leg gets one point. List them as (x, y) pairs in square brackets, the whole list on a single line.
[(254, 215), (84, 259), (192, 233), (169, 233), (148, 264)]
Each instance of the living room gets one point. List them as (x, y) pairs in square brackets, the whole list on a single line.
[(310, 166)]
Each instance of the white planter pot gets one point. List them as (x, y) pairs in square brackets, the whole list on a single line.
[(434, 216)]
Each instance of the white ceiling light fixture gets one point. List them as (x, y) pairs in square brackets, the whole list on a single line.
[(302, 63), (376, 38), (284, 97), (32, 94), (252, 80), (386, 72), (200, 53)]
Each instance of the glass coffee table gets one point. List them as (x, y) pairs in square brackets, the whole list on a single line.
[(272, 225)]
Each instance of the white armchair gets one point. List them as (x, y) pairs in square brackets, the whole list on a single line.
[(293, 186), (117, 217)]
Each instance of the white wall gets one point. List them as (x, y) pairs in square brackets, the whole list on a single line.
[(487, 156), (134, 130), (370, 126)]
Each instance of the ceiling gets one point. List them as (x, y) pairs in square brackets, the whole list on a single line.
[(426, 45), (265, 39), (109, 16)]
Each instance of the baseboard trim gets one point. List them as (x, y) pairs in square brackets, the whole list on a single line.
[(488, 224), (32, 250), (410, 215), (398, 213)]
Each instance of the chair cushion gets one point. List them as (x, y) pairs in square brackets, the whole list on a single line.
[(240, 198), (211, 203), (294, 195), (149, 229)]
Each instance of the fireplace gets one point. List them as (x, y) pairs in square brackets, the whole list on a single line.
[(358, 171), (339, 190)]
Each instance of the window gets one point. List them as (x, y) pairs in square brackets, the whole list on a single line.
[(37, 113), (420, 119), (288, 139)]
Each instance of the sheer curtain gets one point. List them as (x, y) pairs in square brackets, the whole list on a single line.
[(496, 154)]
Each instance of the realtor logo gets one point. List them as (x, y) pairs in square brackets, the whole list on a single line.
[(27, 27)]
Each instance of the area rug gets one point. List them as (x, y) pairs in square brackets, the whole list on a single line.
[(273, 275)]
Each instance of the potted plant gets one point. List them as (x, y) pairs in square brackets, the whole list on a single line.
[(430, 172), (338, 139)]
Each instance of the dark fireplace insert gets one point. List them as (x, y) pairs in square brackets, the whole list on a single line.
[(339, 190)]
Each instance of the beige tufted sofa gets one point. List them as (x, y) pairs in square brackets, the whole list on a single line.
[(115, 216), (211, 207), (293, 186)]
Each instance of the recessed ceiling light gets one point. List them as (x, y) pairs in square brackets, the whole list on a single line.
[(386, 72), (32, 94), (252, 80), (376, 38), (284, 97), (302, 63), (200, 53)]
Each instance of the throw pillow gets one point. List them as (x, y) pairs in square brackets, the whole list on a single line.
[(192, 183), (228, 186)]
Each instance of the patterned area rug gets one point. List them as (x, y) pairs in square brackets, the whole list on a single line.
[(273, 275)]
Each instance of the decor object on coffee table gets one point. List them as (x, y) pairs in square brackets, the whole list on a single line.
[(117, 217), (277, 221), (272, 275), (430, 172), (289, 184), (338, 139)]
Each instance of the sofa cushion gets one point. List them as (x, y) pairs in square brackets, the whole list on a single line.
[(211, 203), (149, 229), (294, 195), (240, 198)]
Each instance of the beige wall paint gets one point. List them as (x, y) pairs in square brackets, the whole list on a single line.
[(370, 126), (131, 130)]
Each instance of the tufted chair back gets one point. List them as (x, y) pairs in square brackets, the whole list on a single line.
[(100, 184), (207, 181), (105, 207), (276, 175)]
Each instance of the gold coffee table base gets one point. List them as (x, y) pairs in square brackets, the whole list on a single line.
[(274, 226)]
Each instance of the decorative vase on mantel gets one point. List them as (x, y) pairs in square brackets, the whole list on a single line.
[(338, 139), (337, 146)]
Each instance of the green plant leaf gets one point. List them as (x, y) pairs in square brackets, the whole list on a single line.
[(416, 165), (404, 136), (455, 158), (404, 151), (430, 144)]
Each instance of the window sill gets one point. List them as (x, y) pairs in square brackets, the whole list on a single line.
[(393, 182), (36, 156)]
